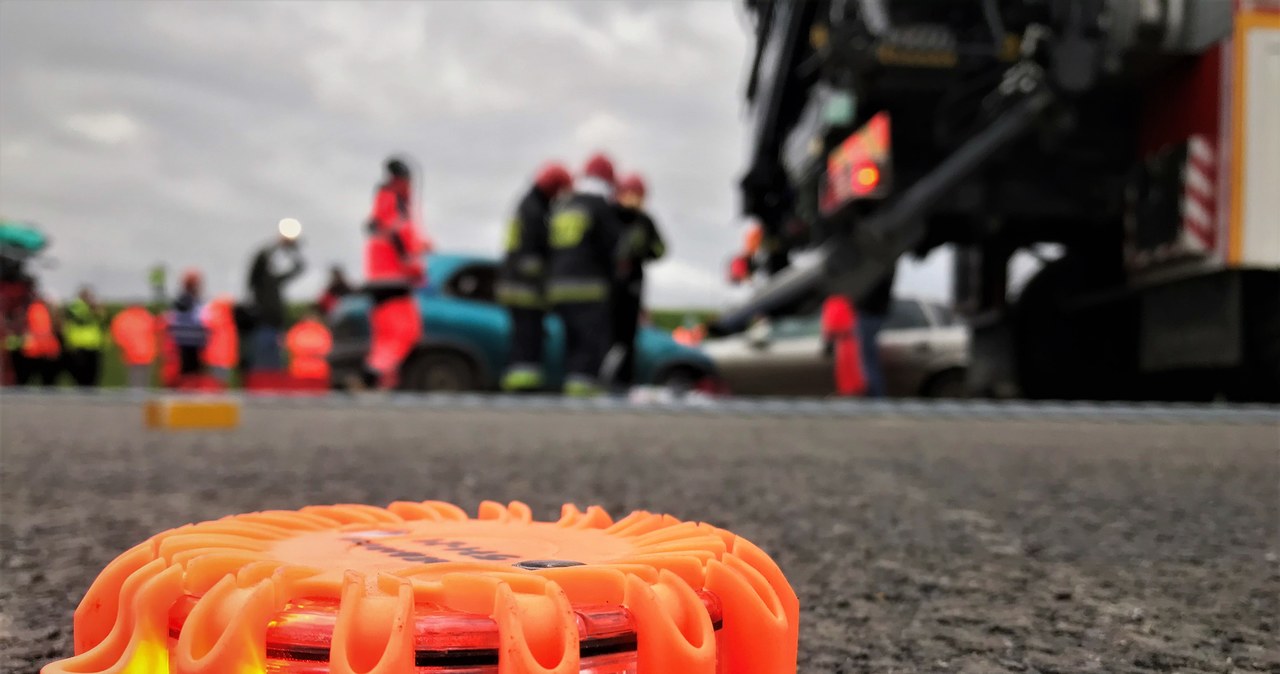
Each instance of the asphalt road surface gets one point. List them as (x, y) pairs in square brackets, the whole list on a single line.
[(915, 545)]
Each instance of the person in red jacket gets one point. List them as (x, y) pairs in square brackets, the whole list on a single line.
[(839, 334), (393, 268)]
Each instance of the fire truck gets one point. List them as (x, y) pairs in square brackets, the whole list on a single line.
[(1132, 145)]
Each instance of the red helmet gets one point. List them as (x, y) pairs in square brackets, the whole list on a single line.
[(191, 279), (599, 166), (552, 178), (632, 184)]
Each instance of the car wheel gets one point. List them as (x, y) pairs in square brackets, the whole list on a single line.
[(439, 371), (946, 384), (679, 379)]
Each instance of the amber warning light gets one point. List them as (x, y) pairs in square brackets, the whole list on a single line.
[(418, 588)]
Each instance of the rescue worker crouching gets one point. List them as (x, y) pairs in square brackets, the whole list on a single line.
[(522, 277), (393, 268), (640, 243), (309, 344), (583, 242), (84, 336), (134, 332)]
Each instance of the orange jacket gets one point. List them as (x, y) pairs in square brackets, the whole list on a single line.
[(223, 347), (41, 340), (309, 343), (134, 331), (393, 251)]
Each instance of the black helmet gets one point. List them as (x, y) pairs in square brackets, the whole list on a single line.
[(397, 167)]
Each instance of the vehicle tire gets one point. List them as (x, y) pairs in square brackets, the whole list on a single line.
[(1063, 351), (946, 384), (679, 378), (439, 371)]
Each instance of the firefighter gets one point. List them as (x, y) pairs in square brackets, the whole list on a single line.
[(309, 343), (84, 336), (222, 349), (393, 267), (185, 325), (521, 280), (839, 337), (640, 244), (134, 332), (583, 240)]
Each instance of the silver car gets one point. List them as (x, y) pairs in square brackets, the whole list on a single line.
[(923, 349)]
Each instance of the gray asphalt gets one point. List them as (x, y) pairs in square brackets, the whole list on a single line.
[(915, 544)]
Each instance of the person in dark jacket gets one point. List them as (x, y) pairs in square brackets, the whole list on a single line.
[(337, 289), (583, 241), (523, 275), (640, 244), (186, 326), (873, 310), (273, 266)]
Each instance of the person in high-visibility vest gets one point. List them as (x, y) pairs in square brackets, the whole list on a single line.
[(839, 334), (222, 350), (84, 334), (309, 343), (40, 346), (134, 332)]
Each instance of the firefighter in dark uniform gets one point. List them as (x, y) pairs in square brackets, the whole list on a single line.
[(583, 240), (640, 244), (523, 275)]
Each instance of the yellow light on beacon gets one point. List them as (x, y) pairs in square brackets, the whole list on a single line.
[(868, 177), (290, 228)]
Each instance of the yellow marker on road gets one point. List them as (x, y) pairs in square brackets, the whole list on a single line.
[(186, 413)]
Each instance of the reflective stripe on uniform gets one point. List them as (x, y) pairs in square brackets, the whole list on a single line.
[(520, 295), (564, 291), (513, 235)]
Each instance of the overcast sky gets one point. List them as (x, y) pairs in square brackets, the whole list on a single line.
[(181, 132)]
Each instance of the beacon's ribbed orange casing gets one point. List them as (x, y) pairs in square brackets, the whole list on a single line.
[(420, 587)]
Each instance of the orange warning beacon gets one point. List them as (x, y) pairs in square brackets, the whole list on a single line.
[(420, 588)]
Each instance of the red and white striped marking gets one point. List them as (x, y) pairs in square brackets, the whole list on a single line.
[(1199, 195)]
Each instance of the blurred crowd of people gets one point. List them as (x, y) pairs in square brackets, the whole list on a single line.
[(188, 342)]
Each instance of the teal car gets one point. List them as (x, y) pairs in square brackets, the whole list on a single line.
[(466, 337)]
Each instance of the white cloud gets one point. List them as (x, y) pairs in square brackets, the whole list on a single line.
[(138, 132), (103, 128)]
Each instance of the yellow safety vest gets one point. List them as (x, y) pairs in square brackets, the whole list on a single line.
[(83, 329)]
